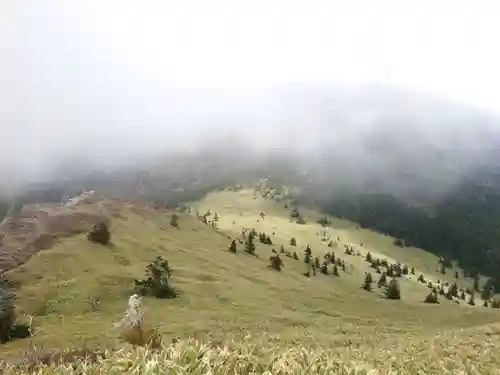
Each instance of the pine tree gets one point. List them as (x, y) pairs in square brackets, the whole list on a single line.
[(232, 247), (432, 298), (472, 301), (158, 281), (382, 282), (335, 270), (249, 244), (174, 220), (307, 255), (276, 262), (324, 268), (293, 241), (369, 257), (452, 291), (367, 284), (393, 291), (99, 234)]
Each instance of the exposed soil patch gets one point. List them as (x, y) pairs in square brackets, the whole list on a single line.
[(36, 227)]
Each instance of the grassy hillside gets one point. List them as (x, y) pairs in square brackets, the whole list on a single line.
[(77, 290)]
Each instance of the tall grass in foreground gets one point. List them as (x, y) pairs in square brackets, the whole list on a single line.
[(192, 357)]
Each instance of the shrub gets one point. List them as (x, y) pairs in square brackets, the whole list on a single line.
[(393, 291), (293, 241), (99, 234), (158, 282)]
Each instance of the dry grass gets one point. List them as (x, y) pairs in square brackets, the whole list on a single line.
[(77, 291), (458, 352)]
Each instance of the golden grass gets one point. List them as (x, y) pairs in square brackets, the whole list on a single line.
[(472, 352), (78, 290)]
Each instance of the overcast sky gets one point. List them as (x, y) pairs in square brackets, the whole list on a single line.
[(139, 69)]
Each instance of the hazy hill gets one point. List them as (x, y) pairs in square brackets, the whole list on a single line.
[(84, 287)]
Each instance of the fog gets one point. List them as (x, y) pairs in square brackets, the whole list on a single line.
[(351, 90)]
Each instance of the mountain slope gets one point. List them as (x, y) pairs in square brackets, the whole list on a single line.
[(77, 290)]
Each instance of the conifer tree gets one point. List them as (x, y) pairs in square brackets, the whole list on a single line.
[(367, 284), (232, 247), (393, 291)]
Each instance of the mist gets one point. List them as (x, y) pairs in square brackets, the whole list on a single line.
[(364, 100)]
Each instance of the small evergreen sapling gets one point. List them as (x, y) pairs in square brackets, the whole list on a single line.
[(335, 271), (432, 298), (382, 282), (249, 244), (393, 291), (367, 284), (99, 234), (324, 268), (276, 262), (232, 247), (174, 221), (158, 280)]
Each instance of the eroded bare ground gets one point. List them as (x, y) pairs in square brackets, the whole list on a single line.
[(37, 226)]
